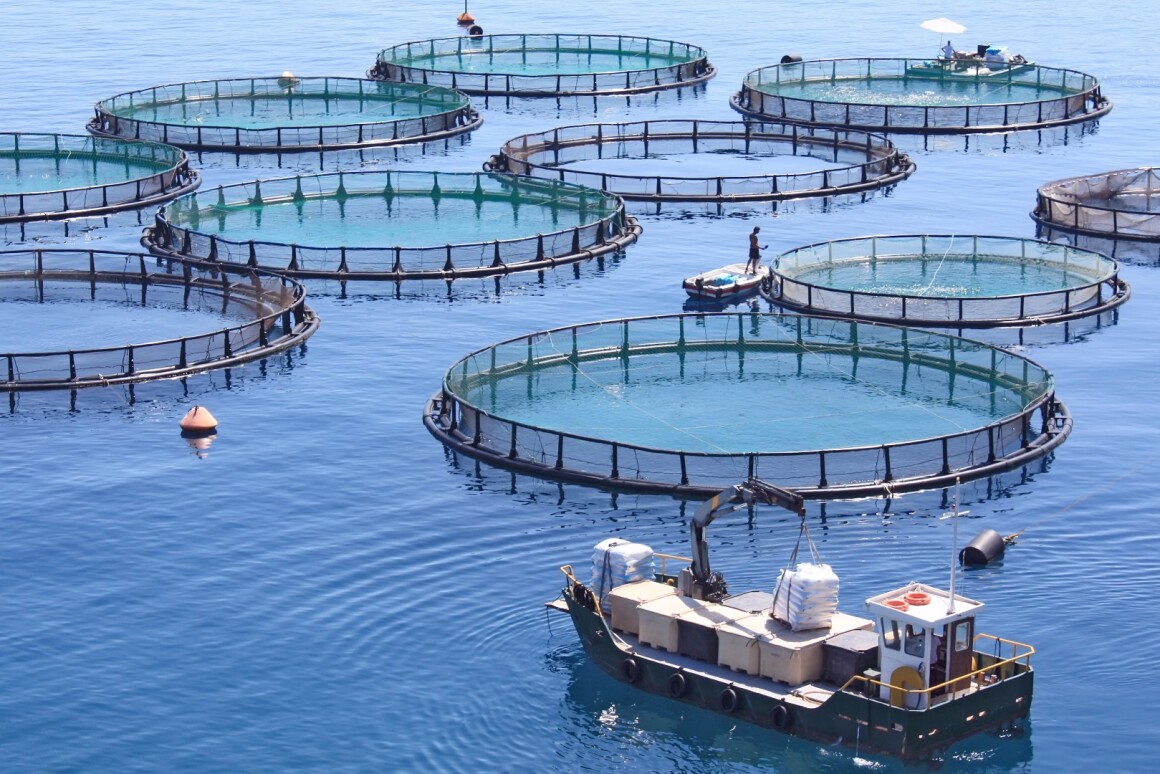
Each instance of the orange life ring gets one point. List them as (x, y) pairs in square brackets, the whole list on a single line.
[(901, 605), (917, 598)]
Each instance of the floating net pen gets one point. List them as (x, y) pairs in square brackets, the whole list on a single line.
[(285, 114), (1120, 205), (956, 280), (394, 225), (686, 404), (844, 162), (913, 96), (54, 176), (545, 65), (268, 312)]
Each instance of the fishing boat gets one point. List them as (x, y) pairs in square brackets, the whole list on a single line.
[(994, 63), (732, 281), (908, 679)]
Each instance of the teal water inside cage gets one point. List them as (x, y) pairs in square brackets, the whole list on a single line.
[(62, 316), (950, 276), (28, 174), (742, 397), (709, 164), (409, 219), (917, 92), (292, 109), (523, 61)]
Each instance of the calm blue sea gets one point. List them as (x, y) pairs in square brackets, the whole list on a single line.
[(327, 589)]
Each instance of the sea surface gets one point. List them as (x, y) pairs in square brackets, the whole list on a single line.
[(325, 588)]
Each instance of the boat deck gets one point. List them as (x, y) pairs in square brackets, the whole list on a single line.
[(804, 695)]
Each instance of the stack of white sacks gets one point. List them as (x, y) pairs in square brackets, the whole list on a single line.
[(806, 597), (616, 562)]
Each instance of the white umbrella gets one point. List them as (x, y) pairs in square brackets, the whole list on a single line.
[(943, 26)]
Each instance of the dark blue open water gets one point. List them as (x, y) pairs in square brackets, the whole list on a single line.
[(328, 590)]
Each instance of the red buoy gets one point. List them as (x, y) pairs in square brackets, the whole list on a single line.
[(198, 421)]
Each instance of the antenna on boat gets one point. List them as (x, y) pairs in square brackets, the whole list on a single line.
[(953, 515)]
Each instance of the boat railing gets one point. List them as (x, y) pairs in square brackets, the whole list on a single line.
[(996, 671)]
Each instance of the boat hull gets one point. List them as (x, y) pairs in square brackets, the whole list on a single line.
[(741, 284), (848, 717)]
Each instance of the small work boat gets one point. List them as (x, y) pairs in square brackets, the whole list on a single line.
[(732, 281), (993, 63), (909, 679)]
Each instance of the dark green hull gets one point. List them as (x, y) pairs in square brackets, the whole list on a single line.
[(848, 717)]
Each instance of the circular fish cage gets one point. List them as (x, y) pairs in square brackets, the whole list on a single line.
[(394, 225), (843, 161), (545, 65), (1124, 204), (689, 404), (285, 114), (961, 281), (918, 96), (270, 311), (55, 176)]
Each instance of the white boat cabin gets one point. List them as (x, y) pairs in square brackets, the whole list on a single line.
[(925, 640)]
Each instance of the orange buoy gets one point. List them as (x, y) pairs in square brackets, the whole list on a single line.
[(198, 421), (465, 18), (901, 605), (917, 598)]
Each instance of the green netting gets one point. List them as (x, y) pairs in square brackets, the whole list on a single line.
[(285, 113), (909, 95), (958, 280), (606, 403), (61, 175), (394, 225), (536, 65)]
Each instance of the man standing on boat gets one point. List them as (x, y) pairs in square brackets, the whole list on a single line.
[(754, 252)]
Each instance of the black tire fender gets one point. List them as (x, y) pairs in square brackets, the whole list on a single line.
[(678, 685), (630, 669)]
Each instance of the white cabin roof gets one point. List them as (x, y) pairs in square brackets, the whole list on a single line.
[(931, 615)]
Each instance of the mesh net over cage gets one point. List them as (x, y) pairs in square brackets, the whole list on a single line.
[(52, 176), (919, 96), (285, 114), (690, 403), (623, 158), (947, 280), (268, 314), (545, 65), (394, 225), (1124, 204)]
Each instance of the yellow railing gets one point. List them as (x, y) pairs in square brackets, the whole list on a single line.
[(1002, 669)]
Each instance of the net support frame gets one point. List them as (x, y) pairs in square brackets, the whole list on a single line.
[(693, 69), (458, 118), (281, 320), (1105, 291), (1073, 204), (869, 471), (173, 178), (874, 162), (612, 231), (1080, 99)]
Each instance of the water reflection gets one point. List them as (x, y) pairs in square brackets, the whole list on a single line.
[(606, 720)]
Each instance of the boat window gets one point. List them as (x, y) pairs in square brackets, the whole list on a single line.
[(962, 636), (890, 633), (915, 641)]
